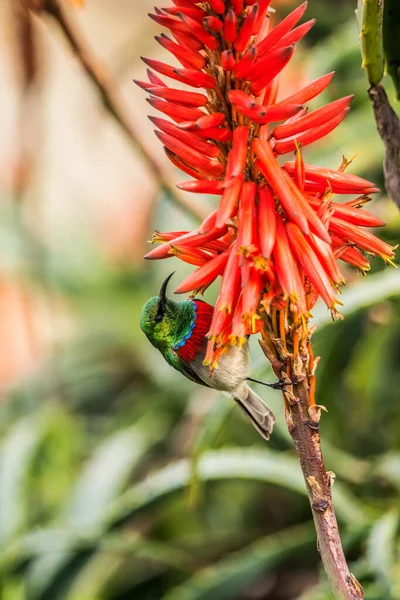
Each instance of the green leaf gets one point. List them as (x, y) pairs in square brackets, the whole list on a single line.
[(16, 455), (267, 466), (389, 468), (211, 428), (381, 547), (227, 578), (102, 479), (104, 476), (366, 292), (370, 18)]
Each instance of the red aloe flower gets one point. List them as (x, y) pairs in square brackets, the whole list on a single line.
[(276, 234)]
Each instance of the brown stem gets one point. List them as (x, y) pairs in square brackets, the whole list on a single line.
[(388, 125), (115, 104), (302, 418), (303, 423)]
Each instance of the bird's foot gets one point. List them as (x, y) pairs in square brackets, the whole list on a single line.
[(281, 384), (278, 385)]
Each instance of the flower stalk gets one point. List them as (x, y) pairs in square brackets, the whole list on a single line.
[(277, 233), (287, 345)]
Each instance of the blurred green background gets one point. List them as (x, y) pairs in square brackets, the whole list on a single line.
[(118, 478)]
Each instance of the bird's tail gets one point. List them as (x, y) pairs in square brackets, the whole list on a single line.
[(259, 414)]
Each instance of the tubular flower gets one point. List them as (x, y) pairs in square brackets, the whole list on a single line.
[(276, 234)]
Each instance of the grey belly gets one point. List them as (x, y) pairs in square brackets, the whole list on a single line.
[(233, 368)]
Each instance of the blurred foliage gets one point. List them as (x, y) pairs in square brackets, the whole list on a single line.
[(120, 480)]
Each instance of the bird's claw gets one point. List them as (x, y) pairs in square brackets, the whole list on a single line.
[(281, 384)]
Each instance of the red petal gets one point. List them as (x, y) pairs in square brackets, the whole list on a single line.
[(274, 175), (192, 11), (204, 275), (213, 23), (238, 154), (198, 30), (175, 111), (311, 264), (229, 201), (351, 255), (315, 119), (327, 259), (313, 219), (363, 239), (191, 99), (310, 136), (299, 173), (269, 114), (287, 271), (237, 6), (166, 236), (189, 154), (218, 134), (194, 59), (250, 300), (310, 91), (190, 239), (247, 220), (337, 180), (192, 256), (188, 41), (187, 137), (230, 284), (227, 60), (356, 216), (209, 223), (247, 60), (201, 186), (154, 79), (282, 29), (230, 24), (270, 65), (196, 78), (246, 30), (172, 24), (268, 73), (205, 122), (262, 11), (195, 172), (266, 220), (238, 336), (297, 34), (218, 6)]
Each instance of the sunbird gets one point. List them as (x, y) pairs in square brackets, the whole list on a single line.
[(178, 330)]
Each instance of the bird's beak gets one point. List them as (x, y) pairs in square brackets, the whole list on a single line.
[(162, 298)]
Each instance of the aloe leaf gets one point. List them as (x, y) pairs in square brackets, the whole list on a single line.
[(211, 428), (366, 292), (101, 480), (276, 468), (381, 547), (389, 468), (104, 476), (227, 578), (16, 455)]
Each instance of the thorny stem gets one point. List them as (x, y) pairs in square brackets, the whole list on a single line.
[(115, 104), (302, 418)]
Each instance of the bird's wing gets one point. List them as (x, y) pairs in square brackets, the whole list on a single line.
[(191, 374)]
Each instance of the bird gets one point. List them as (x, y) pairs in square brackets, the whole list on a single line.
[(178, 330)]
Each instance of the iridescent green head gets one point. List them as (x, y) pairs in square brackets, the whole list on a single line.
[(165, 322)]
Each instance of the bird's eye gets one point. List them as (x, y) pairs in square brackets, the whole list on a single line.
[(159, 318)]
